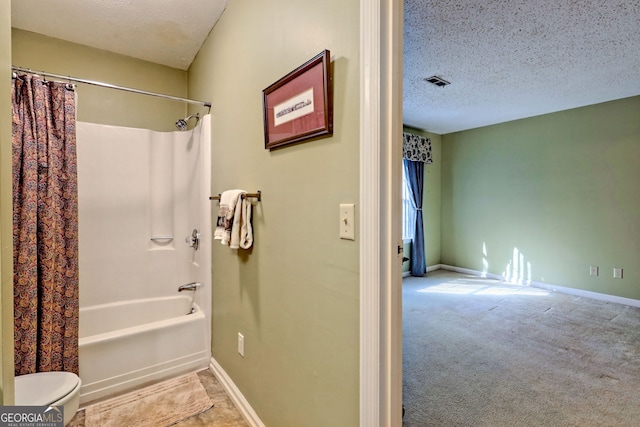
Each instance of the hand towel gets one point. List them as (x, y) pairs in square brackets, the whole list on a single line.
[(241, 230), (228, 201), (246, 233)]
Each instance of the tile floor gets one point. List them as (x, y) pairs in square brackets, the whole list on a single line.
[(223, 413)]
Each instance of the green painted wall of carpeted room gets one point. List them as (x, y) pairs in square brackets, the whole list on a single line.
[(545, 198)]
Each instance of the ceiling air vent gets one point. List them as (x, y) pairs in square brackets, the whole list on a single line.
[(437, 81)]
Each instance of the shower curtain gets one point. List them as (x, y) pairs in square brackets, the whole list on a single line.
[(45, 226)]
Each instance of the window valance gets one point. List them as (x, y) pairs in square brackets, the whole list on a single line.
[(416, 148)]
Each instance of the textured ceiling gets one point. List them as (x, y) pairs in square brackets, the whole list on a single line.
[(510, 59), (168, 32)]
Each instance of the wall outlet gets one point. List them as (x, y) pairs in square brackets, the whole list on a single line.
[(593, 270), (617, 272), (241, 344)]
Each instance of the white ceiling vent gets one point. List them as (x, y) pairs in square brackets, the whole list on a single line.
[(437, 81)]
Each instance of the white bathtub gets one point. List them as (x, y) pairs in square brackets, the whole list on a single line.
[(129, 343)]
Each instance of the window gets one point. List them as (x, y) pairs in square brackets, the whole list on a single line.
[(408, 210)]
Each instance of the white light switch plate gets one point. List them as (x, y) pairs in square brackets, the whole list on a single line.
[(241, 344), (347, 221)]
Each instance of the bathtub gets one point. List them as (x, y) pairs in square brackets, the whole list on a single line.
[(126, 344)]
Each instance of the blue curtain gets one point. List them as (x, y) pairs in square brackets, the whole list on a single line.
[(414, 171)]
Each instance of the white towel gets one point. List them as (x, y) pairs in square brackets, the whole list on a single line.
[(246, 233), (228, 201), (241, 230)]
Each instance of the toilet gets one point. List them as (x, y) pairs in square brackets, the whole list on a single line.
[(49, 389)]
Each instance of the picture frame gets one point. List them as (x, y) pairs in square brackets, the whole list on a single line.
[(299, 106)]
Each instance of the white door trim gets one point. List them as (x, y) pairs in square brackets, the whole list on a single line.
[(380, 179)]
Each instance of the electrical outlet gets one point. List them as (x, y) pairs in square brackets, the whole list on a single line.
[(593, 270), (617, 272), (241, 344)]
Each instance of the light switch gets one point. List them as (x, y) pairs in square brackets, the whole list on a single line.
[(347, 221)]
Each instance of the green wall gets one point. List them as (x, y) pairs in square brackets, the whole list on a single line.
[(547, 197), (6, 221), (431, 199), (295, 294), (101, 105)]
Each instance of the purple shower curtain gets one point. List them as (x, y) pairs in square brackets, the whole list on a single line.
[(45, 226)]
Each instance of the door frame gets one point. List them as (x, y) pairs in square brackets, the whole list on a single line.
[(381, 49)]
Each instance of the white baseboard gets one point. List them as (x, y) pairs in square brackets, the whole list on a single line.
[(235, 394), (434, 268), (549, 287)]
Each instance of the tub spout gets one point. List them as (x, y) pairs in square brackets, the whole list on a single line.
[(189, 287)]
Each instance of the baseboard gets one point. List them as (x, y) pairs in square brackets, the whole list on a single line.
[(235, 394), (562, 289), (434, 268), (473, 272)]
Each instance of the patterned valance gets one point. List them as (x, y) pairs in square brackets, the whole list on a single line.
[(416, 148)]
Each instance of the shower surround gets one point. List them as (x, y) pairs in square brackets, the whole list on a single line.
[(141, 194)]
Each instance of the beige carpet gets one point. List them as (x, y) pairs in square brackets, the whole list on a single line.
[(159, 405), (486, 354)]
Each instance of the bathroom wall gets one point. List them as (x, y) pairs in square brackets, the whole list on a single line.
[(295, 294), (101, 105), (6, 218), (547, 197)]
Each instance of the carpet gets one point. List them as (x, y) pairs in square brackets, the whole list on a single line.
[(159, 405), (479, 352)]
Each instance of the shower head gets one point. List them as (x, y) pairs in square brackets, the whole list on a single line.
[(181, 124)]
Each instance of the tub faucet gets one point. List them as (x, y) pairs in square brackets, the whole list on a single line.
[(189, 286)]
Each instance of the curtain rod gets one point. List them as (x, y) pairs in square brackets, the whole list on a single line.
[(110, 86)]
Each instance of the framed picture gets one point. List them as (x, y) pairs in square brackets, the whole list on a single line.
[(299, 107)]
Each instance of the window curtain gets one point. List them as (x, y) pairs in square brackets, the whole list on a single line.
[(45, 226), (416, 151)]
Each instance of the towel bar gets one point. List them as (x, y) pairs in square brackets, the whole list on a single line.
[(257, 195)]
